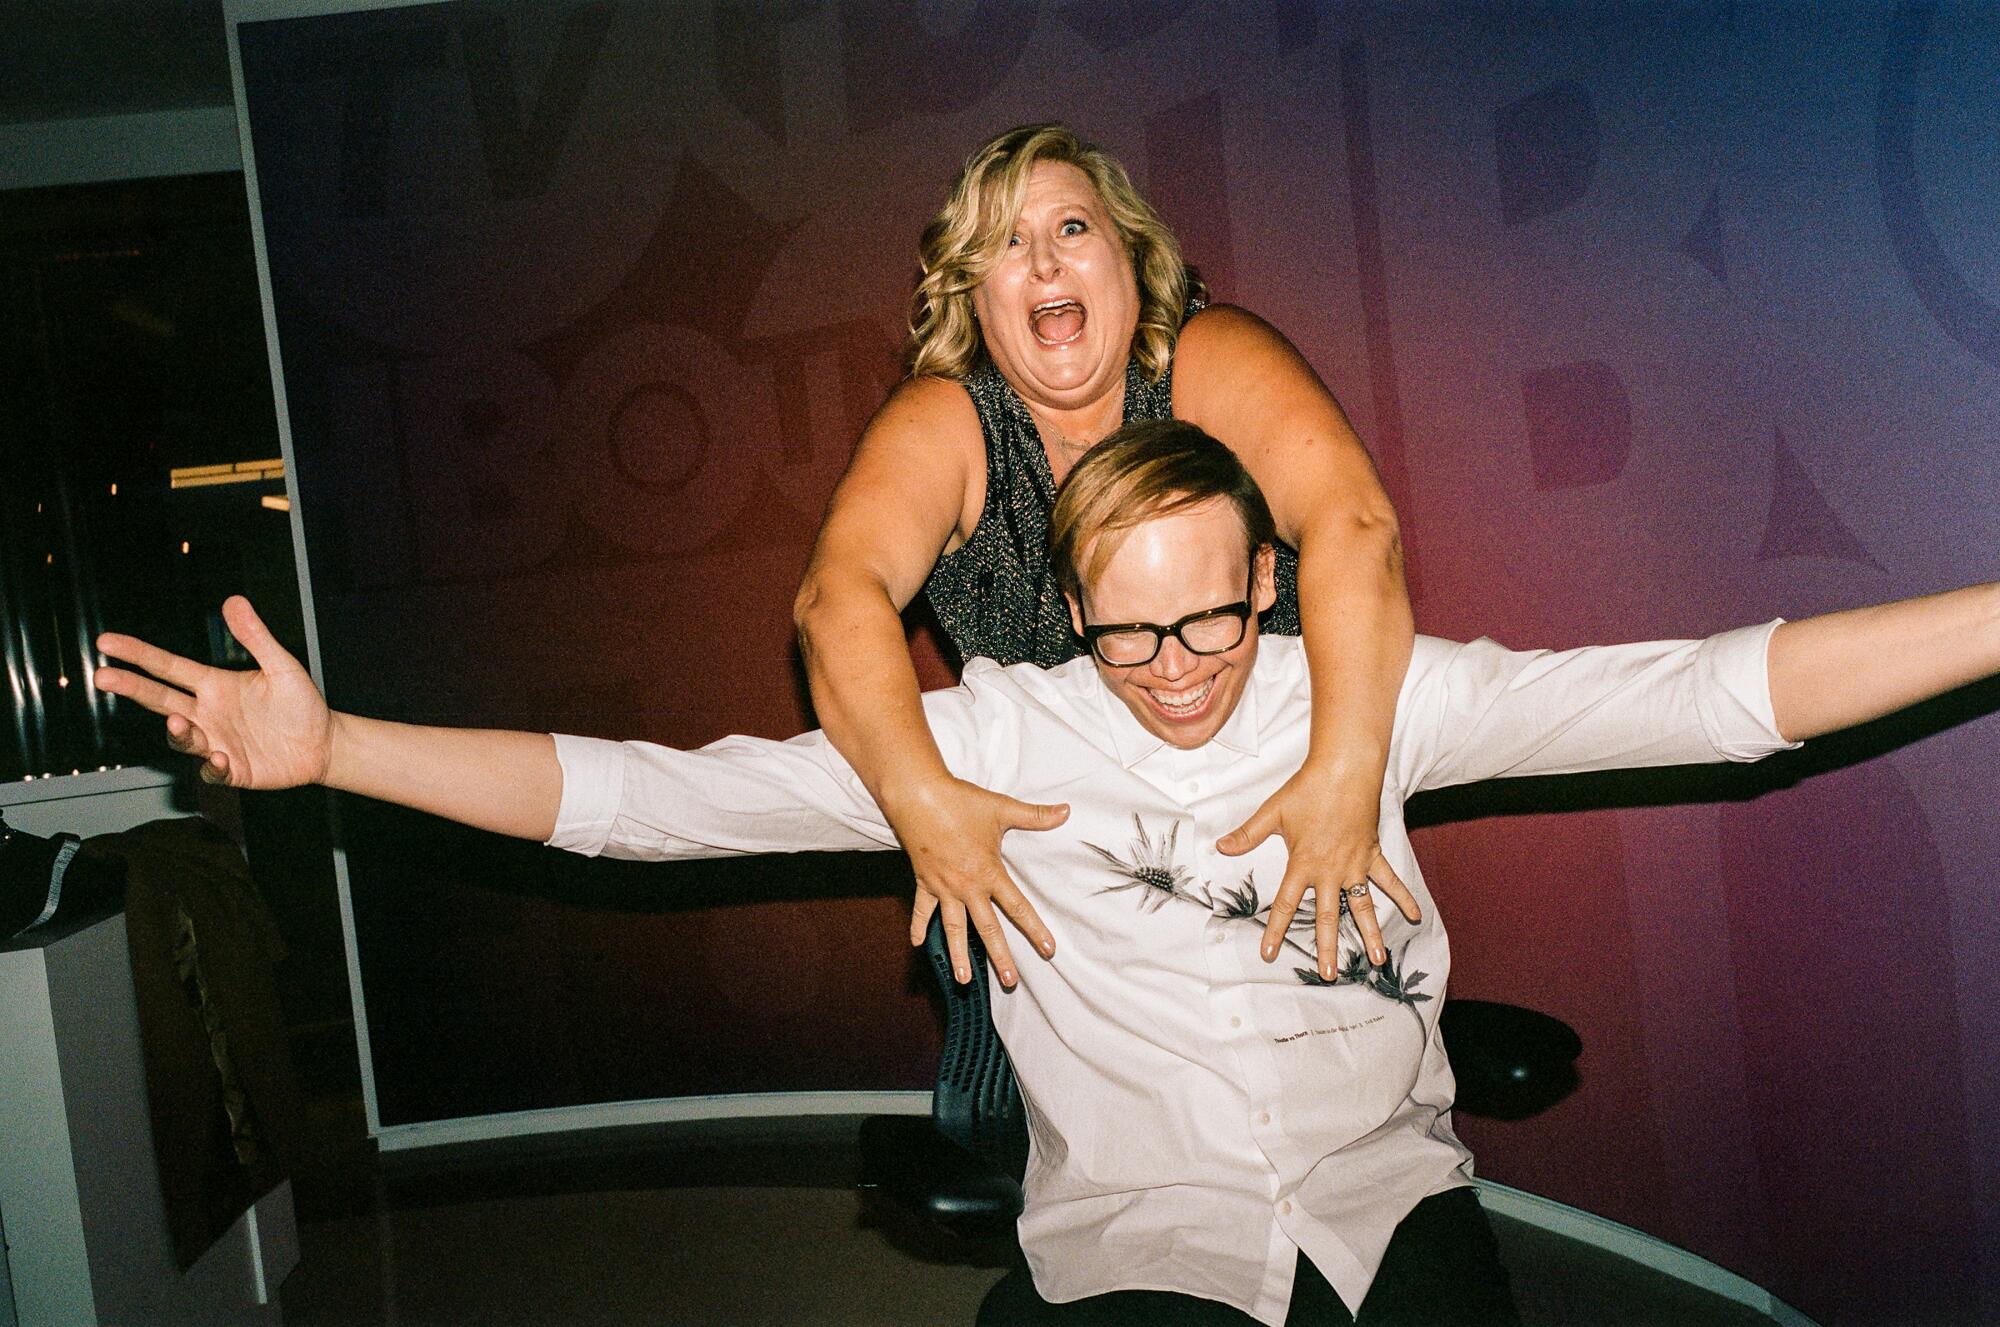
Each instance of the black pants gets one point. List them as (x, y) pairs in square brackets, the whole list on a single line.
[(1442, 1269)]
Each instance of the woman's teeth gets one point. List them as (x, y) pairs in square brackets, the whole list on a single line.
[(1058, 322), (1182, 703)]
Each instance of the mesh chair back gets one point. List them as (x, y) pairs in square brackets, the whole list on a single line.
[(977, 1103)]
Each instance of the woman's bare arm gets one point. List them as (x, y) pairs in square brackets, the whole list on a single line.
[(1241, 380), (896, 510), (910, 494)]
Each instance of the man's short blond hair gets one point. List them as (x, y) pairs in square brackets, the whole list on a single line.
[(963, 244), (1142, 471)]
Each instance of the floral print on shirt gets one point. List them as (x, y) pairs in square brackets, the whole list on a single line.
[(1149, 869)]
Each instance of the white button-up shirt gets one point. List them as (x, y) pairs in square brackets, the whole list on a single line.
[(1197, 1116)]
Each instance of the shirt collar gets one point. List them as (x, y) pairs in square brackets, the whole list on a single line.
[(1132, 743)]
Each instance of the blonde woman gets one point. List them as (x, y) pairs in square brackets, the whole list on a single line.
[(1055, 306)]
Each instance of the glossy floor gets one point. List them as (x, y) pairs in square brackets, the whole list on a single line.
[(744, 1224)]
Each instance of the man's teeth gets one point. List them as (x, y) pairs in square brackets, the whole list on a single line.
[(1183, 702)]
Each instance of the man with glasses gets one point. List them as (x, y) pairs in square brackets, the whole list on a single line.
[(1215, 1134)]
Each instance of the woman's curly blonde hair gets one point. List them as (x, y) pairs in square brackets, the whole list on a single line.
[(964, 243)]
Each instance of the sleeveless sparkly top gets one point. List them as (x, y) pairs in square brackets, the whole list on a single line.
[(995, 595)]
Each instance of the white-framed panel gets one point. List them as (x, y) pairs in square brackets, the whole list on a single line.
[(235, 13), (396, 1135)]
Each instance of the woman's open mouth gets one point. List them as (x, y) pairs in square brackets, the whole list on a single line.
[(1057, 322)]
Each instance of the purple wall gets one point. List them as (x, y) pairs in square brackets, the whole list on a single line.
[(1657, 321)]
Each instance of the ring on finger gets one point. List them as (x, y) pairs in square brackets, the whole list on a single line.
[(1356, 891)]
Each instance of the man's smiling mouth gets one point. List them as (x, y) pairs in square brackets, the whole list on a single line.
[(1182, 705)]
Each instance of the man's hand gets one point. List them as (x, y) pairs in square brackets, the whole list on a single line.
[(952, 829), (264, 728), (1329, 825)]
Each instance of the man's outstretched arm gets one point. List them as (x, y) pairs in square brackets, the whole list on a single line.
[(1845, 668), (1480, 711), (269, 728)]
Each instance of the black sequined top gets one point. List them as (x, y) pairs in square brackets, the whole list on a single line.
[(995, 594)]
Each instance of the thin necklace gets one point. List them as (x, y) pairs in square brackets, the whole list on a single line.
[(1072, 448)]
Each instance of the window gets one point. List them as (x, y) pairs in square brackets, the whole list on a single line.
[(139, 474)]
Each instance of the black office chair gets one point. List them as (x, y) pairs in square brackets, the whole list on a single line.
[(961, 1169)]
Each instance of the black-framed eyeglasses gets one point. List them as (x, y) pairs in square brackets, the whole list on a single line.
[(1209, 631)]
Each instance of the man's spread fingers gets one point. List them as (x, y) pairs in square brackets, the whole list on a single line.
[(190, 741), (253, 635), (144, 692), (168, 667)]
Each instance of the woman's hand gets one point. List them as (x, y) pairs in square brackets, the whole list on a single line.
[(1329, 823), (265, 728), (952, 829)]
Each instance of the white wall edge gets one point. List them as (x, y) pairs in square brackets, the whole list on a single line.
[(87, 805), (1636, 1246), (91, 783), (357, 1001), (257, 11), (199, 140), (271, 1231), (663, 1110)]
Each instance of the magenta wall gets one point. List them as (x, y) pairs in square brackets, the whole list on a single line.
[(1657, 321)]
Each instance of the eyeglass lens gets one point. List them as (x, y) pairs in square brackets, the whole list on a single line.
[(1211, 634)]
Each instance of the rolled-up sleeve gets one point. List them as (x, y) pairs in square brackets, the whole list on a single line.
[(1733, 691), (593, 787), (1481, 711)]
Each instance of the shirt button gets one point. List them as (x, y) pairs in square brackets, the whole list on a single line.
[(1285, 1207), (1235, 1022), (1194, 787), (1216, 937), (1264, 1117)]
